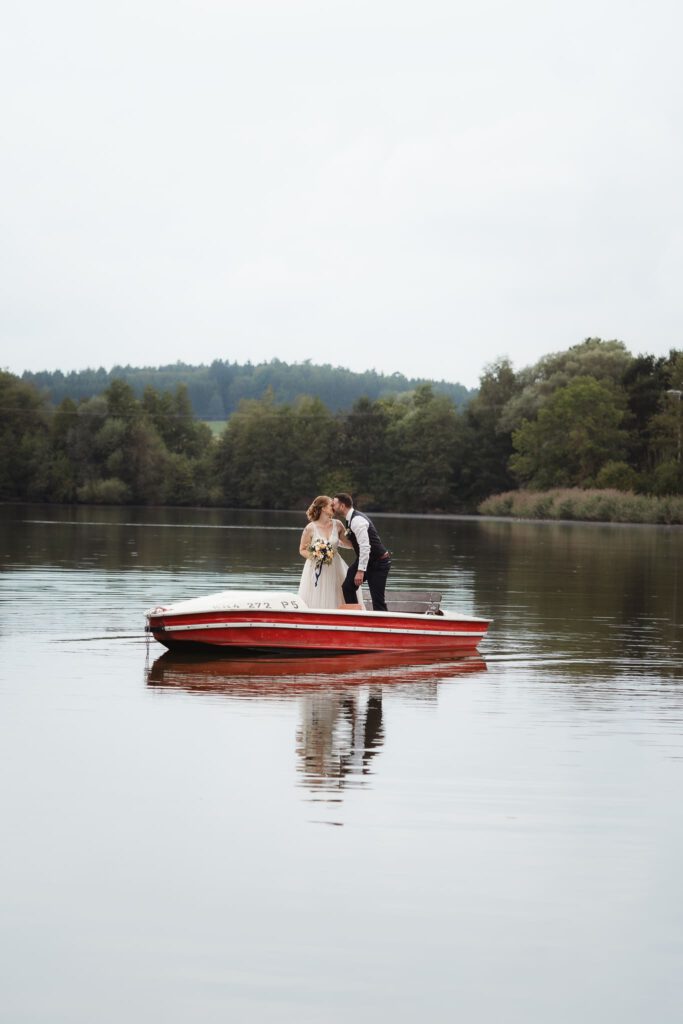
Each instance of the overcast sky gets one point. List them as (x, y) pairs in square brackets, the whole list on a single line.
[(417, 187)]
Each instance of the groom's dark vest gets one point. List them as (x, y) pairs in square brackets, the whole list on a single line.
[(377, 549)]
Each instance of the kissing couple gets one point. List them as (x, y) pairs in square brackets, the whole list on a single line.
[(326, 582)]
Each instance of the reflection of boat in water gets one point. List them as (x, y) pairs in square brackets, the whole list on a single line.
[(272, 620), (287, 675), (340, 699)]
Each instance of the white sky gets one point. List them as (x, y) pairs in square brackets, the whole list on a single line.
[(420, 187)]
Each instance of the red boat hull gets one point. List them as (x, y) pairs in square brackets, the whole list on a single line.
[(332, 631)]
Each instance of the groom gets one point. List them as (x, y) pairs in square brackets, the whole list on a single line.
[(373, 561)]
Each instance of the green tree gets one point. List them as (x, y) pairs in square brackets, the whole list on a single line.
[(106, 450), (24, 440), (121, 401), (487, 444), (62, 471), (604, 361), (365, 452), (645, 381), (78, 441), (316, 436), (661, 426), (256, 454), (129, 446), (172, 416), (427, 442), (666, 439), (577, 431)]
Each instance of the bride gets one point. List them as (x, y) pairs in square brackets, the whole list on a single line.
[(325, 569)]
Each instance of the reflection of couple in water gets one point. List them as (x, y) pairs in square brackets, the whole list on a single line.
[(340, 733), (325, 581)]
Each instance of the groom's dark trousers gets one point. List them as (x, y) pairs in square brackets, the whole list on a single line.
[(376, 579)]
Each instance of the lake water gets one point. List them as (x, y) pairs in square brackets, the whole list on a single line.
[(340, 839)]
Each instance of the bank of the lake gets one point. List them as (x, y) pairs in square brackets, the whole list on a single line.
[(586, 505)]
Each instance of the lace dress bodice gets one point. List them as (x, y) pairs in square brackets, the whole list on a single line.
[(332, 538)]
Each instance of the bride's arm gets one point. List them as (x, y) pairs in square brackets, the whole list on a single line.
[(305, 540)]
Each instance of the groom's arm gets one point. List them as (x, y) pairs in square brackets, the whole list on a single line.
[(360, 528)]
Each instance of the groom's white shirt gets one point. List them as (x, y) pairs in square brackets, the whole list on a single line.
[(360, 528)]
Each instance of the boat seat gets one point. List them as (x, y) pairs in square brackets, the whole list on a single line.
[(415, 602)]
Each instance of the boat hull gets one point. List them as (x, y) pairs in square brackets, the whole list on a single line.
[(299, 629)]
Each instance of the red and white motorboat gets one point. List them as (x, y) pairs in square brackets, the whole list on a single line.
[(279, 621)]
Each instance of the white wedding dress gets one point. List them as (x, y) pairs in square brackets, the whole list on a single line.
[(327, 592)]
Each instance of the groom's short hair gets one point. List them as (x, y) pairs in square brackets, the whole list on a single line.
[(345, 499)]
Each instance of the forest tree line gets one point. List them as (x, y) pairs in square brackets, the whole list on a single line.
[(216, 391), (593, 416)]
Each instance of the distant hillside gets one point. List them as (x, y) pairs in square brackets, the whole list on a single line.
[(216, 390)]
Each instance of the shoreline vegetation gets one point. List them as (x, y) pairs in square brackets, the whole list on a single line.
[(591, 434), (586, 505), (569, 505)]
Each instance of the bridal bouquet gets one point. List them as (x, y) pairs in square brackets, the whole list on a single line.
[(322, 553)]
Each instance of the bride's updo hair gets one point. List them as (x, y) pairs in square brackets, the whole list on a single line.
[(316, 507)]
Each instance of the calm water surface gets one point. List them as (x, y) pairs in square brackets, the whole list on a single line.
[(340, 839)]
